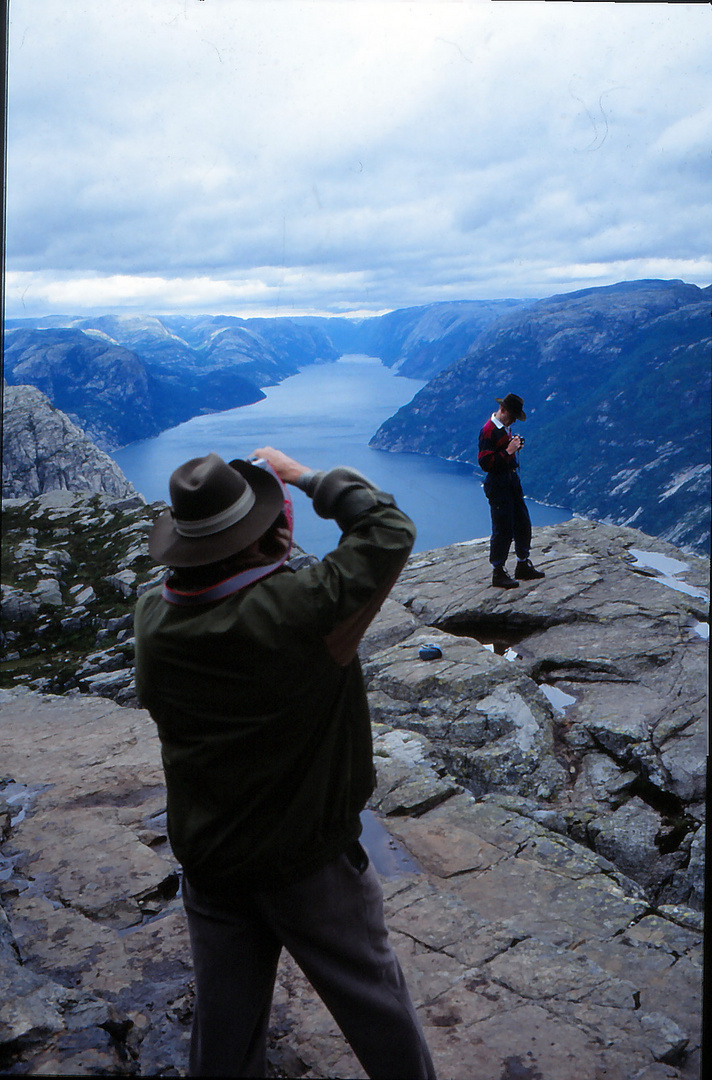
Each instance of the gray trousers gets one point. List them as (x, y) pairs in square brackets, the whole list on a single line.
[(332, 924)]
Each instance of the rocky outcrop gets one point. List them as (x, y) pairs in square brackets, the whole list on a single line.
[(42, 450), (598, 371), (72, 567), (538, 820), (581, 696)]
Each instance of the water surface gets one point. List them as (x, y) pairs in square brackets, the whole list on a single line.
[(323, 417)]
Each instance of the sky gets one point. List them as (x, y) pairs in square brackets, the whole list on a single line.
[(350, 157)]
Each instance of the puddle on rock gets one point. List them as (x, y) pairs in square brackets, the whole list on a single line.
[(558, 699), (390, 858), (668, 570)]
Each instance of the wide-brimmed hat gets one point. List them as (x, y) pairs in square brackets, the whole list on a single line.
[(217, 509), (513, 404)]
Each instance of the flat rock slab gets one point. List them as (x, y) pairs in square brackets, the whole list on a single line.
[(580, 559), (528, 956), (89, 885)]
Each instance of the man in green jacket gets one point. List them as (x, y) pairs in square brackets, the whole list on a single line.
[(249, 669)]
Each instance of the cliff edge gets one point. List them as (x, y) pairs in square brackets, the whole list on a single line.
[(43, 450), (538, 822)]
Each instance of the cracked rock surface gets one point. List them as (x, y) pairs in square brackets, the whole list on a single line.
[(538, 822), (528, 954), (43, 450), (587, 703)]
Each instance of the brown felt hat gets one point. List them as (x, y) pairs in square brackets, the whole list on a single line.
[(514, 405), (217, 509)]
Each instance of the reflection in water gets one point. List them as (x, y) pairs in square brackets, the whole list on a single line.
[(390, 858), (668, 569), (557, 697)]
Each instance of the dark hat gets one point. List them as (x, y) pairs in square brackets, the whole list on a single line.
[(217, 510), (513, 404)]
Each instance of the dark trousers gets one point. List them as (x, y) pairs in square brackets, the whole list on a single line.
[(332, 924), (510, 519)]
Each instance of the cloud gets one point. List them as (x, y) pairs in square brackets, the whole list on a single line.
[(323, 154)]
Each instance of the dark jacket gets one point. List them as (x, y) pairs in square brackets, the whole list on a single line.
[(260, 702)]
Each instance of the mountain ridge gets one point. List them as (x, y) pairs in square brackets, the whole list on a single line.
[(127, 378), (605, 374), (419, 342), (623, 370)]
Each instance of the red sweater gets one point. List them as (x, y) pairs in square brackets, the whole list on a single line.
[(493, 456)]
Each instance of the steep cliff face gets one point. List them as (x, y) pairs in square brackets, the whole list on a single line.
[(42, 450), (417, 342), (616, 383), (420, 342)]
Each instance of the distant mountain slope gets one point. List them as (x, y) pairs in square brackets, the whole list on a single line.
[(124, 378), (267, 350), (101, 386), (418, 342), (616, 383), (42, 450)]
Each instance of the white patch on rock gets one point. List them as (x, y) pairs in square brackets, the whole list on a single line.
[(507, 705), (404, 746)]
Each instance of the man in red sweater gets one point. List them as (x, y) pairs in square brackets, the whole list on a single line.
[(498, 450)]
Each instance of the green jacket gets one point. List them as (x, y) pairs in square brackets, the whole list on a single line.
[(260, 703)]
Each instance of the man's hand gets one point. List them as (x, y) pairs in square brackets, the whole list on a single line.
[(515, 443), (287, 468)]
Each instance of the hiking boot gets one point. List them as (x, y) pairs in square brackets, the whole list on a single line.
[(526, 572), (502, 580)]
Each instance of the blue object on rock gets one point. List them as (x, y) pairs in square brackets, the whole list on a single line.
[(430, 652)]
